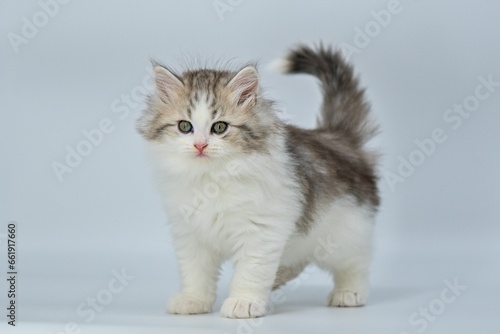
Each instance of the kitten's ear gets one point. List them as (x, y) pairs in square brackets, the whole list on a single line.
[(244, 86), (167, 83)]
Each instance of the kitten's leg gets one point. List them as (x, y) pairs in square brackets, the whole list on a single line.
[(288, 273), (351, 285), (349, 260), (256, 265), (199, 270)]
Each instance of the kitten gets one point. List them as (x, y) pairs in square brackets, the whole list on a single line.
[(241, 185)]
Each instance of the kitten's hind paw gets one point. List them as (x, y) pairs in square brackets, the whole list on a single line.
[(346, 298), (243, 308), (184, 304)]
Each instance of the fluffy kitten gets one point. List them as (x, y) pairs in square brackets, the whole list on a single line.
[(241, 185)]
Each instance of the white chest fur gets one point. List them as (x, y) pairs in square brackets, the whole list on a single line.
[(223, 206)]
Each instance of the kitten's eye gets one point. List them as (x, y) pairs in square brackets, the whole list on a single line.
[(219, 127), (185, 127)]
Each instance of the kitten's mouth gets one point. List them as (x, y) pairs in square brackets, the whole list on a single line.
[(201, 155)]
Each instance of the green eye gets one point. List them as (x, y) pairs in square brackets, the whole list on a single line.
[(185, 127), (219, 127)]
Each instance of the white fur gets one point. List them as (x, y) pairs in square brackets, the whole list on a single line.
[(280, 65), (243, 208), (340, 242)]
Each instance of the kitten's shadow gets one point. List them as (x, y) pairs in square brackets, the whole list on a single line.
[(315, 297)]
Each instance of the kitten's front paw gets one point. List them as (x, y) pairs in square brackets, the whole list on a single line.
[(185, 304), (243, 308), (346, 298)]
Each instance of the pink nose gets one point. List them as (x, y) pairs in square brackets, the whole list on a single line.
[(200, 147)]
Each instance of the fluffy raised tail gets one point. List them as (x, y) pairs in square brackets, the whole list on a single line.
[(344, 110)]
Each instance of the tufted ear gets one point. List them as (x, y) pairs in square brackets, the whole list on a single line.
[(244, 86), (167, 83)]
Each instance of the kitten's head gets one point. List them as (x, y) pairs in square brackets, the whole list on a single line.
[(207, 114)]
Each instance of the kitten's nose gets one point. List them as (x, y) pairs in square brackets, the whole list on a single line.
[(200, 147)]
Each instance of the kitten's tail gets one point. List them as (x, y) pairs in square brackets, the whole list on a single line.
[(345, 110)]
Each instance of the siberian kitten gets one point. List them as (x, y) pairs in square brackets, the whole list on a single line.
[(240, 184)]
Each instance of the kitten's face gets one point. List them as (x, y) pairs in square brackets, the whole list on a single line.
[(198, 129), (205, 114)]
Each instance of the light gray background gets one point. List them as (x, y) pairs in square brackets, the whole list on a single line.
[(440, 224)]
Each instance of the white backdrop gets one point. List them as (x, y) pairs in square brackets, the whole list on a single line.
[(432, 73)]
